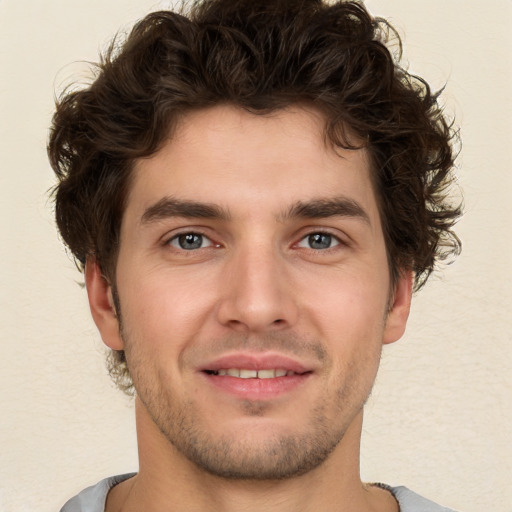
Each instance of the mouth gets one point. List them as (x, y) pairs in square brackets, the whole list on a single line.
[(256, 377), (246, 373)]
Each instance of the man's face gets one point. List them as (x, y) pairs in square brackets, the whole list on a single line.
[(254, 291)]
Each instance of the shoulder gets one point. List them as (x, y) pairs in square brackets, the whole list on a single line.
[(92, 499), (409, 501)]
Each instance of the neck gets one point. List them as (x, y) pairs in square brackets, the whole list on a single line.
[(167, 481)]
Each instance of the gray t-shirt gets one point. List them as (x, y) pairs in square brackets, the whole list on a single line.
[(93, 498)]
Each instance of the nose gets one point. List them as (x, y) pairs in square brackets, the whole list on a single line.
[(257, 293)]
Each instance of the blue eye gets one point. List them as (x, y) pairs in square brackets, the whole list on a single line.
[(319, 241), (190, 241)]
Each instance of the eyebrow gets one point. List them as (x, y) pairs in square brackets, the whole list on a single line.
[(323, 208), (172, 207), (315, 209)]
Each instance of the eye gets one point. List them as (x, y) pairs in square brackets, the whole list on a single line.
[(190, 241), (319, 241)]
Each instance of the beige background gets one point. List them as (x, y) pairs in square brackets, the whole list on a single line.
[(440, 417)]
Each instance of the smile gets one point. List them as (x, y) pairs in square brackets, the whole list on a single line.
[(243, 373), (256, 384), (256, 375)]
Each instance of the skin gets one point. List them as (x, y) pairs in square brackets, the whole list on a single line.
[(265, 279)]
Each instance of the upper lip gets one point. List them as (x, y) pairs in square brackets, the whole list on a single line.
[(259, 361)]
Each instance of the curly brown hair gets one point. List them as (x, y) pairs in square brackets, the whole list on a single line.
[(262, 56)]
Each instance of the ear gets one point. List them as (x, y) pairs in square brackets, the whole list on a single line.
[(102, 305), (399, 308)]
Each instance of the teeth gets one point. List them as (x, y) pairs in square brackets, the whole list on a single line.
[(267, 374), (244, 373), (248, 374)]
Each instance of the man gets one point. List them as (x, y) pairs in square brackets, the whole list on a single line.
[(253, 191)]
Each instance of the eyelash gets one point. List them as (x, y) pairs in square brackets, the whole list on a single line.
[(333, 239), (176, 238)]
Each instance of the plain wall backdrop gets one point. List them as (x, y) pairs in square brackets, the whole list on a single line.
[(440, 417)]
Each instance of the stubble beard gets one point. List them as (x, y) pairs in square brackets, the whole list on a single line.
[(278, 456)]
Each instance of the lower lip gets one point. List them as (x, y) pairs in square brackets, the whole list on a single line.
[(257, 389)]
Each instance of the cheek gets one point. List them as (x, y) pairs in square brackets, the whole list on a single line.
[(349, 315), (349, 304), (161, 307)]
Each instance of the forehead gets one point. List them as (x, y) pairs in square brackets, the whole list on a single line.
[(236, 159)]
